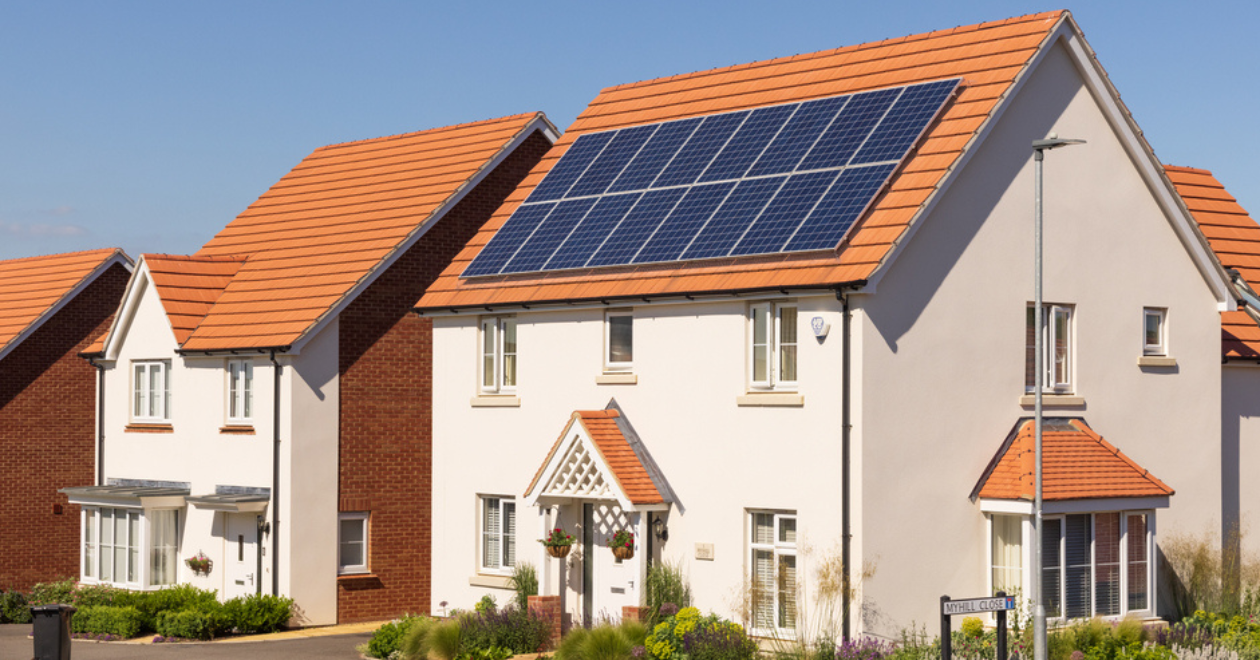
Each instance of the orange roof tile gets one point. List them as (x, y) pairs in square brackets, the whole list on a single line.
[(325, 227), (604, 429), (1077, 463), (33, 288), (989, 57), (1235, 240)]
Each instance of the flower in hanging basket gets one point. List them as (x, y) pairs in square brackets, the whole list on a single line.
[(557, 539), (199, 563), (622, 538)]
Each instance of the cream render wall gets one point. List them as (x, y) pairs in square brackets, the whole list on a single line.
[(196, 452), (721, 459), (942, 346), (1240, 456)]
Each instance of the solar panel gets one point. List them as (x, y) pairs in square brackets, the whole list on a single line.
[(775, 179)]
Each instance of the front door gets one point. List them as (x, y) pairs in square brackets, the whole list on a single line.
[(608, 583), (240, 554)]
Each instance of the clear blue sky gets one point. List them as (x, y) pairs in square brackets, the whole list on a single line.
[(151, 125)]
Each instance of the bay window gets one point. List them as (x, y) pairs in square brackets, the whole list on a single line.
[(772, 346), (116, 541), (1097, 564)]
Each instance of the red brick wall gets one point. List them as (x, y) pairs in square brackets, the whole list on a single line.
[(48, 436), (549, 608), (385, 391)]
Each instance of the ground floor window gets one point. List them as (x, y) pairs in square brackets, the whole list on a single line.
[(498, 533), (114, 543), (352, 543), (1007, 553), (772, 569), (1097, 564)]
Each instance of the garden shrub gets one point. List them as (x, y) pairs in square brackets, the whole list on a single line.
[(486, 604), (14, 608), (49, 593), (518, 630), (689, 635), (664, 584), (389, 637), (258, 613), (864, 648), (444, 640), (96, 595), (125, 622), (524, 581), (415, 642), (203, 623)]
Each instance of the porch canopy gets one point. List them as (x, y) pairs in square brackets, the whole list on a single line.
[(598, 456), (155, 496), (231, 502), (1078, 465)]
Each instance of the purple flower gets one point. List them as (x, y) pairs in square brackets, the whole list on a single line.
[(638, 652)]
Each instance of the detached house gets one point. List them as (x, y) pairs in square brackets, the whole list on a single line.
[(51, 308), (777, 318), (266, 400), (1235, 239)]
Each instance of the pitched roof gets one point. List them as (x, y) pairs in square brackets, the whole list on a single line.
[(326, 227), (1235, 239), (990, 57), (33, 288), (603, 427), (1077, 463)]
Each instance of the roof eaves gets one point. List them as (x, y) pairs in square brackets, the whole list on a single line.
[(538, 123), (116, 257)]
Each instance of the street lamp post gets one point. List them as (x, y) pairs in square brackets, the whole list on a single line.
[(1039, 383)]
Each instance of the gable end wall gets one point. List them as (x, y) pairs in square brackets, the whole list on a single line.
[(386, 380), (48, 436)]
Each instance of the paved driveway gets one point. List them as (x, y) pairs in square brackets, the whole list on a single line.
[(16, 645)]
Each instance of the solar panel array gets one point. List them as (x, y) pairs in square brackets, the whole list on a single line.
[(775, 179)]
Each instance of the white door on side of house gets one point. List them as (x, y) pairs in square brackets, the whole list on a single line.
[(240, 554)]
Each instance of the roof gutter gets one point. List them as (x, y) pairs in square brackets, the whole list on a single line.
[(263, 350), (568, 303)]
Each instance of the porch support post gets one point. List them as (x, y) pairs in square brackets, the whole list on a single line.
[(544, 563), (641, 530)]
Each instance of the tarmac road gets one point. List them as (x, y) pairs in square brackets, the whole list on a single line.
[(16, 645)]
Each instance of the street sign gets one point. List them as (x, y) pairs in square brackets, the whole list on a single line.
[(974, 605)]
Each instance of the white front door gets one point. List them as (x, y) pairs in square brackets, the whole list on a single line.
[(614, 582), (240, 554)]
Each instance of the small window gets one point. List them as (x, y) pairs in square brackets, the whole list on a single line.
[(619, 341), (1153, 325), (1056, 352), (1007, 553), (772, 570), (151, 391), (352, 545), (498, 354), (772, 346), (498, 534), (240, 391)]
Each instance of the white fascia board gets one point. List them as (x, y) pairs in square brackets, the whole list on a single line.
[(1022, 507), (538, 123), (622, 303), (141, 279), (1107, 504), (119, 257), (1143, 156)]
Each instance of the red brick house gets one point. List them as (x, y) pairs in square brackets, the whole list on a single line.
[(51, 307)]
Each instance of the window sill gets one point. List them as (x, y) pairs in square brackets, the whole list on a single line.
[(617, 379), (345, 577), (1053, 400), (771, 399), (495, 401), (491, 581), (149, 428), (237, 429), (1156, 361)]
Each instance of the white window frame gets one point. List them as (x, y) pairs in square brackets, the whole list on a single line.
[(240, 393), (1053, 383), (1160, 347), (495, 376), (505, 535), (611, 365), (1025, 541), (363, 517), (138, 547), (143, 398), (777, 549), (775, 346), (1151, 596)]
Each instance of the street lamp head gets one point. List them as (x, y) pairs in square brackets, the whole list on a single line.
[(1053, 141)]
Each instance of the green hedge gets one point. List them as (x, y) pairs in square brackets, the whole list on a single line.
[(14, 608), (193, 624), (258, 613), (125, 622)]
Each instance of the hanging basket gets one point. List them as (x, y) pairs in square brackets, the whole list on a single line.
[(623, 552), (200, 564), (559, 551)]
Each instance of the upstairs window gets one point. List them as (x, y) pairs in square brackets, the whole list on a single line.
[(240, 391), (619, 341), (151, 391), (1057, 351), (1154, 341), (772, 349), (498, 354)]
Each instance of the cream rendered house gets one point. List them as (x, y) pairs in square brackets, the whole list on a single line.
[(252, 391), (764, 414)]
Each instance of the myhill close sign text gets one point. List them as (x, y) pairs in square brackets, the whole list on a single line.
[(976, 605)]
